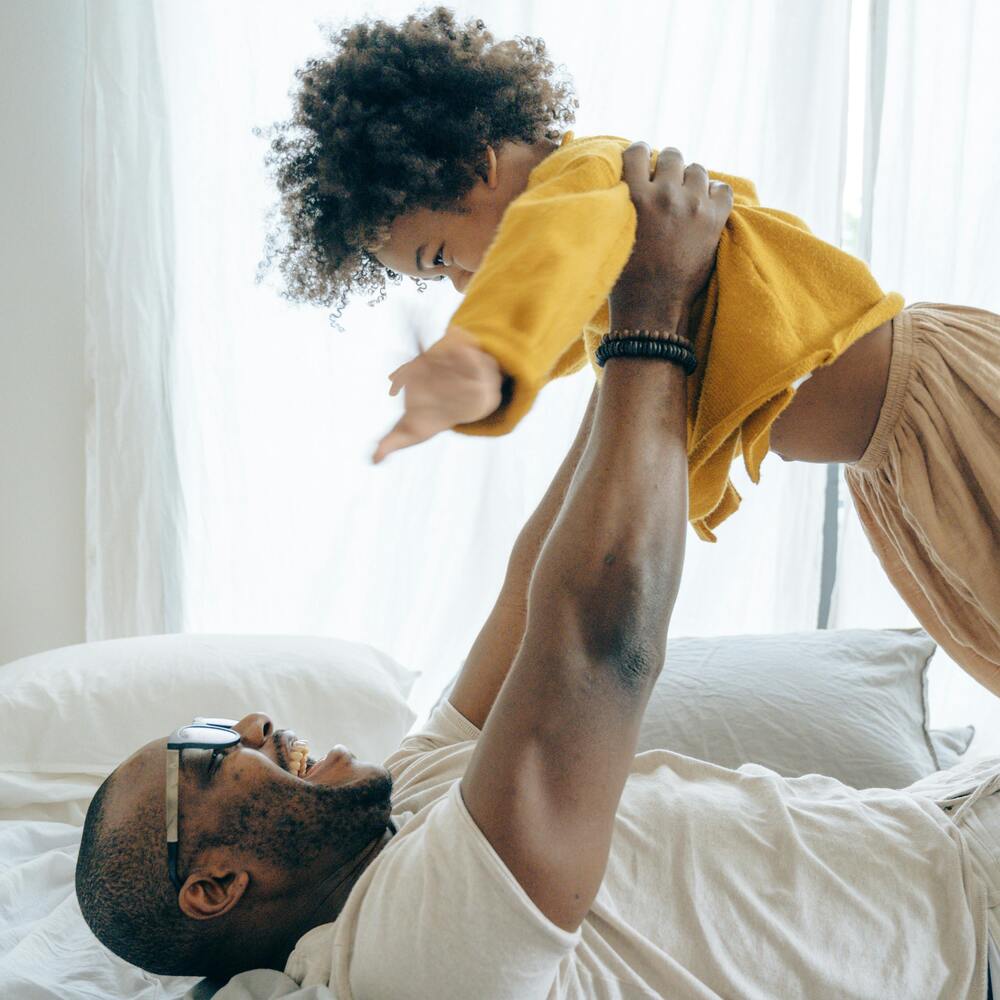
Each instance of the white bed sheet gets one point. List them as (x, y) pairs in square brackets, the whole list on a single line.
[(47, 952)]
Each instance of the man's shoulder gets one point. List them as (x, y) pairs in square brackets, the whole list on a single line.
[(431, 759), (445, 725)]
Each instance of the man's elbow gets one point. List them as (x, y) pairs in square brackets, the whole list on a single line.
[(637, 667), (628, 638)]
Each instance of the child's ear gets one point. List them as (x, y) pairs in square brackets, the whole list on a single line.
[(489, 169)]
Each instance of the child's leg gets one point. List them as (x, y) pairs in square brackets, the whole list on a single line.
[(927, 489)]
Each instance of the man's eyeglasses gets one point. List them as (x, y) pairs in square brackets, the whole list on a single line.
[(201, 734)]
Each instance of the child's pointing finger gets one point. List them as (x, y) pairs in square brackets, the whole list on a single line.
[(403, 435)]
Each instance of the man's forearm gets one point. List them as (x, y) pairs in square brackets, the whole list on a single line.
[(612, 561), (536, 529), (492, 654), (647, 315)]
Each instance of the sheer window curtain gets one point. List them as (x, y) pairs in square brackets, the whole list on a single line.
[(229, 433), (930, 211)]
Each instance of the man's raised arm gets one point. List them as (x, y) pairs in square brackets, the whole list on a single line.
[(546, 776), (492, 654)]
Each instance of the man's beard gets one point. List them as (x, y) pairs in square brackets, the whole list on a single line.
[(293, 825)]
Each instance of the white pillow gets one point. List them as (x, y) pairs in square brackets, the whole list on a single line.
[(849, 703), (83, 709)]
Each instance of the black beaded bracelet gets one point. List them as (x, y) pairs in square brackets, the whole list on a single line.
[(641, 347)]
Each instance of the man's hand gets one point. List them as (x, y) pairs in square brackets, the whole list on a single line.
[(681, 215), (453, 382)]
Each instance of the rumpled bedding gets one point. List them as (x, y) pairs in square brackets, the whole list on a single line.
[(47, 952), (46, 949)]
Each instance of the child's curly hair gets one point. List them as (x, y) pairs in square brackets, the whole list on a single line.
[(395, 119)]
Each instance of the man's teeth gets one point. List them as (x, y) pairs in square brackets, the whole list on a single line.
[(298, 758)]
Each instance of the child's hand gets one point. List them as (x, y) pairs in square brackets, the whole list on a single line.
[(453, 382)]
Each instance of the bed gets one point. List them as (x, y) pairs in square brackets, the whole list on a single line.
[(851, 704)]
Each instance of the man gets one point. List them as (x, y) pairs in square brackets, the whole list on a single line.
[(517, 848)]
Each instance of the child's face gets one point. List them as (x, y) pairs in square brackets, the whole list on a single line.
[(438, 245)]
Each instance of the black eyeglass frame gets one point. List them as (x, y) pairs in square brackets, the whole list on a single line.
[(194, 736)]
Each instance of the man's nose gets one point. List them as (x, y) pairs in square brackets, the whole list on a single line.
[(255, 729)]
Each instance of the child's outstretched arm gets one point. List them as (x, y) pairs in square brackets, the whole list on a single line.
[(551, 266)]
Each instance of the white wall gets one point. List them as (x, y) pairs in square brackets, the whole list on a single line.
[(41, 327)]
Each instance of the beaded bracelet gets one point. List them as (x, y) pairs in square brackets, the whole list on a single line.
[(637, 347), (670, 336)]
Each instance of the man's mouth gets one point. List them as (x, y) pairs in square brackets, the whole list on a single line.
[(293, 755), (330, 768), (299, 760)]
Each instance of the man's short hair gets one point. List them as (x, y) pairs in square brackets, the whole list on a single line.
[(127, 898)]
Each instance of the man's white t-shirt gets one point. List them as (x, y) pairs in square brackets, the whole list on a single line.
[(720, 884)]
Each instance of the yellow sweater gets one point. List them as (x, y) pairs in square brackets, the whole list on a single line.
[(780, 303)]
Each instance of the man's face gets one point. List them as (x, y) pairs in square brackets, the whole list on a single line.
[(263, 803)]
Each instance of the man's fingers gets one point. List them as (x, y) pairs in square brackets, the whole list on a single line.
[(696, 178), (670, 165), (720, 191), (635, 165), (720, 195), (638, 169)]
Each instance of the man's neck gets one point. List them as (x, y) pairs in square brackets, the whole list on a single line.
[(332, 894)]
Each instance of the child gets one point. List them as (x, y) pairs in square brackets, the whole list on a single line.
[(428, 150)]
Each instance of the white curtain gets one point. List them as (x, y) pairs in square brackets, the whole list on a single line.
[(930, 218), (229, 436), (134, 506)]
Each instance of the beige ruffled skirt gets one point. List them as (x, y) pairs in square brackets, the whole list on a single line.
[(927, 489)]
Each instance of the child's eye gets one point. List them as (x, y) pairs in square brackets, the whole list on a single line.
[(440, 254)]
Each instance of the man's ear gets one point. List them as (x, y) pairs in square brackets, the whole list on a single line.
[(212, 890)]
